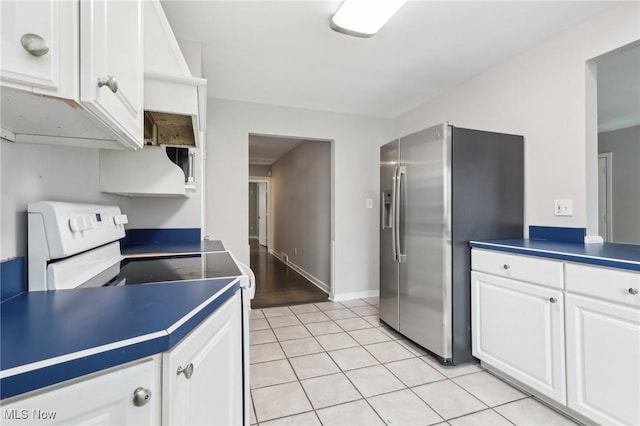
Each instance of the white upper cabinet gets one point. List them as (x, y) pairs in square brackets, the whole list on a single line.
[(111, 55), (32, 43), (62, 49)]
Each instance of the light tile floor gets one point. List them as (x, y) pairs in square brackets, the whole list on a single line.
[(336, 364)]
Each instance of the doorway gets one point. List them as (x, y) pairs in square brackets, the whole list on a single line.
[(290, 219), (612, 148), (259, 210)]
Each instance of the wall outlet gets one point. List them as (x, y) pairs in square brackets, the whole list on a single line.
[(295, 251), (563, 207)]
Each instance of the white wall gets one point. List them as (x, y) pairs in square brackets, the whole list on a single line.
[(541, 95), (41, 172), (300, 199), (259, 170), (31, 172), (356, 170)]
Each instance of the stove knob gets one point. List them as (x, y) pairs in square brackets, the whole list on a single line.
[(76, 224), (121, 219)]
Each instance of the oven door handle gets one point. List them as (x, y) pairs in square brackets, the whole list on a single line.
[(251, 278)]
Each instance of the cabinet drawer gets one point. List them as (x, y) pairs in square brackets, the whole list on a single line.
[(525, 268), (604, 283)]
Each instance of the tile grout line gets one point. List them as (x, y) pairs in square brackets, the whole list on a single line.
[(414, 353), (341, 371)]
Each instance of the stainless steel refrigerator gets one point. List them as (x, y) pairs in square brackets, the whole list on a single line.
[(440, 188)]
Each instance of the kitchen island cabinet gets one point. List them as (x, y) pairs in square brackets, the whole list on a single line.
[(590, 311), (603, 344), (71, 72)]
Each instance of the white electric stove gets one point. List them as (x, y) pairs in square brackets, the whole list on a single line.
[(77, 245)]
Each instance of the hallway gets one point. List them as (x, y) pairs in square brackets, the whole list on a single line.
[(277, 284)]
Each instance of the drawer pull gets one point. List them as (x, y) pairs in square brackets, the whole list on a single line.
[(141, 396), (110, 82), (505, 266), (553, 300), (34, 44), (187, 371), (633, 291)]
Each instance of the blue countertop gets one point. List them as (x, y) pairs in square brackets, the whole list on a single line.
[(52, 336), (613, 255)]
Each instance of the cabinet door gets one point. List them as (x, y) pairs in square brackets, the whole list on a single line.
[(603, 353), (111, 55), (212, 393), (105, 399), (40, 19), (518, 328)]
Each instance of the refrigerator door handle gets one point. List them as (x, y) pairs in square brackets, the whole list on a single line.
[(401, 195), (394, 228)]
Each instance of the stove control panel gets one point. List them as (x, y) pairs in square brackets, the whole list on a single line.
[(64, 229)]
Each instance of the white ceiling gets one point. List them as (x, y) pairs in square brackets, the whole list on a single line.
[(266, 150), (284, 53), (619, 88)]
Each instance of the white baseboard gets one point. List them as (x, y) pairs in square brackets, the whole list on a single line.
[(354, 295), (275, 254), (315, 281)]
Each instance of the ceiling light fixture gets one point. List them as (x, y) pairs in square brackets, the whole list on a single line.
[(364, 18)]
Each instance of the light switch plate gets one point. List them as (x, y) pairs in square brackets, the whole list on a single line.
[(369, 203), (563, 207)]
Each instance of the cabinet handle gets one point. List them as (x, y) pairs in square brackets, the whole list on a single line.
[(505, 266), (110, 82), (633, 291), (553, 300), (34, 44), (187, 371), (141, 396)]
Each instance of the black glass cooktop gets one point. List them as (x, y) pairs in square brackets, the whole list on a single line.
[(145, 270)]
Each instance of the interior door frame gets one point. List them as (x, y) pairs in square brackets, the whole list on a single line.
[(267, 180), (608, 158)]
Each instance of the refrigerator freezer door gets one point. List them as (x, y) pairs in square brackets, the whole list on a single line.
[(388, 266), (425, 277)]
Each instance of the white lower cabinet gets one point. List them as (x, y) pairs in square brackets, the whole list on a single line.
[(197, 382), (523, 329), (518, 328), (202, 375), (603, 360), (103, 399)]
